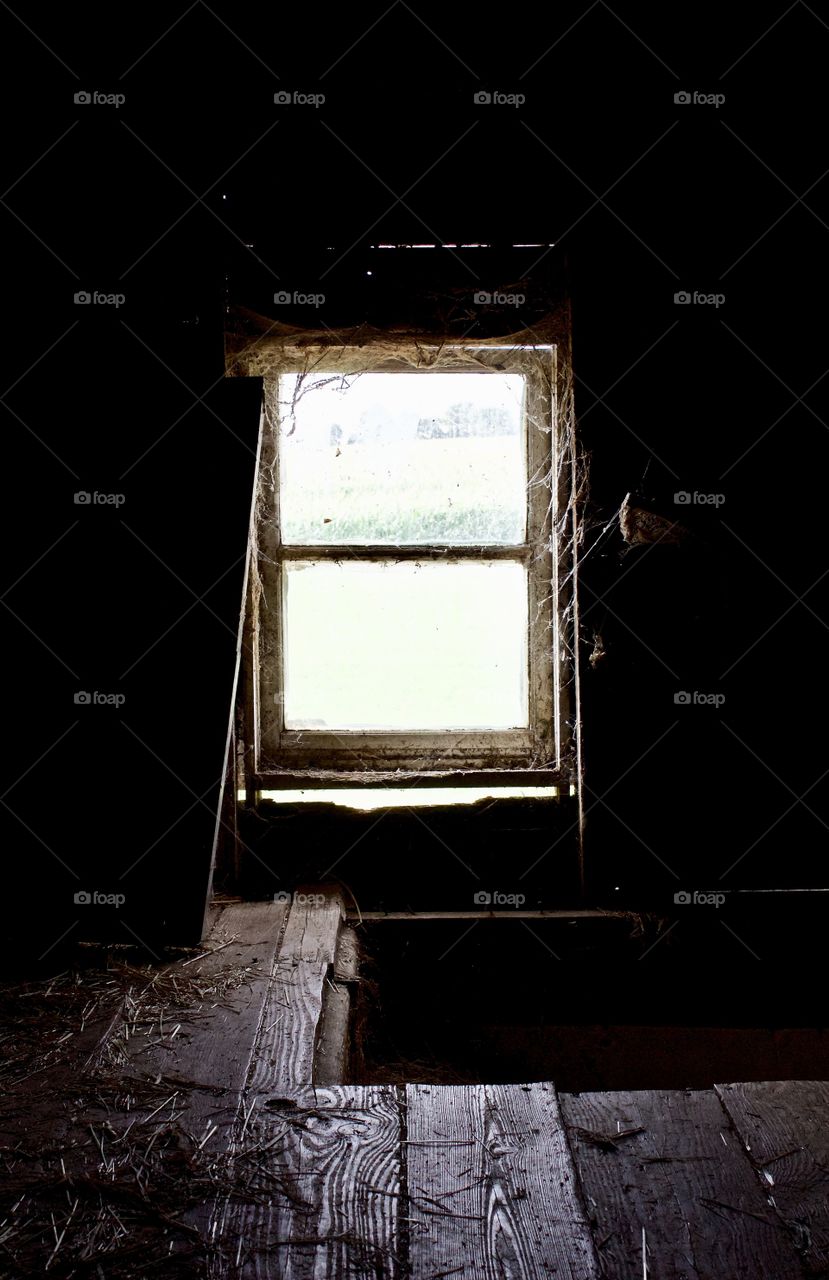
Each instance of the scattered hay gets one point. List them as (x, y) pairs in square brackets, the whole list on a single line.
[(100, 1174)]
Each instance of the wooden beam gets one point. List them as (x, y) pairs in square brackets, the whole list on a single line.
[(452, 553), (328, 779), (375, 917), (333, 1041)]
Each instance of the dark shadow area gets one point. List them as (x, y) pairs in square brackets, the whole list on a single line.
[(590, 1004)]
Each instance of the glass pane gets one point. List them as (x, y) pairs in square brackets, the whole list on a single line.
[(405, 646), (402, 458)]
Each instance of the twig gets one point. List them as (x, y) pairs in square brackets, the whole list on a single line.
[(211, 952), (709, 1203)]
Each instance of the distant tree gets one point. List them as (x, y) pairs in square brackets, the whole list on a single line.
[(467, 419)]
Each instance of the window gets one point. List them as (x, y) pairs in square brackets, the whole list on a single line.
[(405, 613)]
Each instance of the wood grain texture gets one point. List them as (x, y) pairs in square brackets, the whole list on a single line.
[(784, 1126), (324, 1180), (491, 1185), (670, 1163), (284, 1057), (316, 1169)]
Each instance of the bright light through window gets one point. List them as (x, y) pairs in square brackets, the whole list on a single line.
[(369, 799), (415, 645), (404, 605)]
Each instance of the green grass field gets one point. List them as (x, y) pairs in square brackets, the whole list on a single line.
[(461, 491)]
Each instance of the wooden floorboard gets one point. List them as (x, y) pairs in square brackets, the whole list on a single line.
[(323, 1189), (491, 1186), (284, 1057), (669, 1164), (317, 1169), (784, 1126), (207, 1059), (205, 1116)]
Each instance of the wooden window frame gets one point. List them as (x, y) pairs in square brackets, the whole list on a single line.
[(283, 758)]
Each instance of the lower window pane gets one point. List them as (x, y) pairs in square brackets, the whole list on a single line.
[(384, 646)]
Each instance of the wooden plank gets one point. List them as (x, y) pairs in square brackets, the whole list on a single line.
[(325, 779), (207, 1059), (285, 1203), (322, 1180), (397, 552), (144, 1120), (491, 1185), (784, 1127), (377, 917), (284, 1056), (668, 1163)]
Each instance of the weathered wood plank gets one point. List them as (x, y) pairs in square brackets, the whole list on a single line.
[(669, 1163), (296, 1147), (784, 1127), (205, 1047), (284, 1057), (323, 1182), (491, 1185)]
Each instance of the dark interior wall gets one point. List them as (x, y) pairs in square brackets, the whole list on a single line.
[(198, 181)]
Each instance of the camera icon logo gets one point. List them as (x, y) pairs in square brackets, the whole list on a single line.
[(482, 298), (82, 498), (83, 299), (682, 498), (82, 698), (282, 98), (682, 898), (683, 298), (282, 298), (482, 898), (682, 699), (282, 896), (682, 98), (82, 98), (482, 97), (82, 898)]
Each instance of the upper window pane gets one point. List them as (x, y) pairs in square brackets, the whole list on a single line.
[(402, 458)]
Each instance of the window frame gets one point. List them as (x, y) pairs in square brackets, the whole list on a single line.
[(287, 758)]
